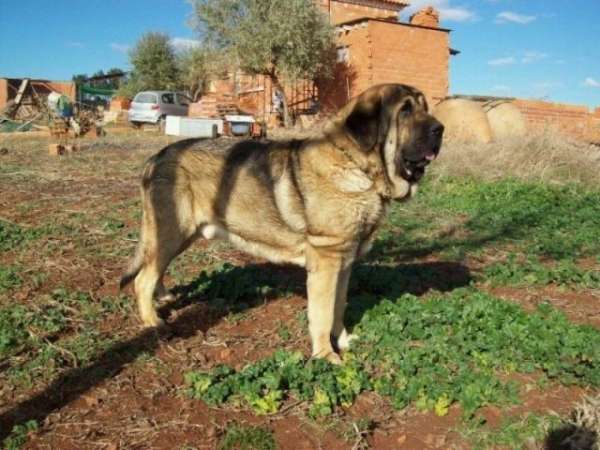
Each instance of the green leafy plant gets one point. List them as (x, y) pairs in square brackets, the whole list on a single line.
[(19, 435), (10, 277), (265, 386), (530, 271), (433, 353)]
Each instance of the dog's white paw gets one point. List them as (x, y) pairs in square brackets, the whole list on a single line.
[(343, 342), (152, 321), (330, 356), (162, 294)]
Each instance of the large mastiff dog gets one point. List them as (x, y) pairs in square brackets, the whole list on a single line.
[(316, 203)]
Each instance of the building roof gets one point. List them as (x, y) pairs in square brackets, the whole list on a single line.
[(389, 4), (354, 23)]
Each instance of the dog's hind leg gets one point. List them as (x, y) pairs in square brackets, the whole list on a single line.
[(145, 285), (149, 282), (162, 240)]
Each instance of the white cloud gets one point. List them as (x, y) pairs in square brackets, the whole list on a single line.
[(591, 82), (447, 11), (184, 44), (122, 48), (75, 44), (502, 61), (532, 56), (512, 17), (458, 15)]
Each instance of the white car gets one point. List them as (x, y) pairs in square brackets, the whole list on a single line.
[(155, 106)]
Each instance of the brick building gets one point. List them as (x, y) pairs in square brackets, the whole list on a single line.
[(373, 47)]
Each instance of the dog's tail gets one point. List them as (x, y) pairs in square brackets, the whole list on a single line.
[(134, 267)]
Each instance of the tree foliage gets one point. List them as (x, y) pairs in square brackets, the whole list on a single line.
[(282, 39), (199, 65), (106, 83), (155, 65)]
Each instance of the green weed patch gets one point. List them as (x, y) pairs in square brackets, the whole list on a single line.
[(556, 222), (245, 437), (554, 227), (457, 348)]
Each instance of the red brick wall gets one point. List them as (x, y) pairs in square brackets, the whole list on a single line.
[(573, 120), (390, 52), (416, 56), (253, 94)]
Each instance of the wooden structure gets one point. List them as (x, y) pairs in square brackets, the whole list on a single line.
[(25, 99)]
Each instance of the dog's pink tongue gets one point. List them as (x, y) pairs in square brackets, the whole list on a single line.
[(430, 157)]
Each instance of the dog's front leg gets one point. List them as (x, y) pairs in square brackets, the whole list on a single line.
[(339, 334), (324, 272)]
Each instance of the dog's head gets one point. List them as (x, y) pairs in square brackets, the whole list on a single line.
[(393, 119)]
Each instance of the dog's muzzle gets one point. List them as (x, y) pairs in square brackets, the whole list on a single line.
[(413, 165)]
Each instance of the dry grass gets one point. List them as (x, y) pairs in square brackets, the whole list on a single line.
[(540, 157), (580, 432), (586, 416)]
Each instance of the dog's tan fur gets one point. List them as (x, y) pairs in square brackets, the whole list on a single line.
[(316, 203)]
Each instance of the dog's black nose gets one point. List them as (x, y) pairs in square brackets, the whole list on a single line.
[(436, 129)]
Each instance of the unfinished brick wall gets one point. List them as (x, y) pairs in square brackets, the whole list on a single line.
[(573, 120), (390, 52), (412, 55), (251, 94)]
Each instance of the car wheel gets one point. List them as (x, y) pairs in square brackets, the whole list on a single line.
[(136, 124)]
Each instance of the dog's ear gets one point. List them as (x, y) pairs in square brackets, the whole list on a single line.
[(368, 122)]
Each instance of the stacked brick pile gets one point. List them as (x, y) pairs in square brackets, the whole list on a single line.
[(206, 107), (117, 112)]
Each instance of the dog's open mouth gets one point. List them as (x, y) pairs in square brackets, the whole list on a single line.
[(424, 161), (413, 170)]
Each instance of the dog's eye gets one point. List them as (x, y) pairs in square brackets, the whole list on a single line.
[(406, 109)]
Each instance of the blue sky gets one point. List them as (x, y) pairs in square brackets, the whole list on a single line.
[(542, 49)]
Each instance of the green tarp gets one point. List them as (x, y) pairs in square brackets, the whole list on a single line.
[(96, 91)]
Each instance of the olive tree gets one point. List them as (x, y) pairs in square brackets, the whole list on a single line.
[(282, 39), (155, 65), (198, 66)]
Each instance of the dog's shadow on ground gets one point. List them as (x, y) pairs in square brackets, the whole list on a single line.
[(393, 281), (229, 289)]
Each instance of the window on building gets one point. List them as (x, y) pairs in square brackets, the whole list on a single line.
[(343, 54)]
